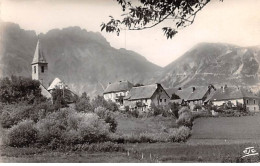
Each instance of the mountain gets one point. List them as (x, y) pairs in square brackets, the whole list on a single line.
[(82, 59), (213, 63), (86, 61)]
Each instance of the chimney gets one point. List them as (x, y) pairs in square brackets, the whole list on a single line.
[(193, 89), (179, 88)]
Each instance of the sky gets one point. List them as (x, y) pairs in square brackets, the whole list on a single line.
[(231, 21)]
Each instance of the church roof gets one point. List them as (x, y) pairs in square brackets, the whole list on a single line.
[(56, 83), (38, 55)]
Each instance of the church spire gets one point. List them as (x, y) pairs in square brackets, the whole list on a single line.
[(40, 66), (38, 54)]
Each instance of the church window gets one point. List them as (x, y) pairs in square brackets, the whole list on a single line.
[(42, 69), (34, 69)]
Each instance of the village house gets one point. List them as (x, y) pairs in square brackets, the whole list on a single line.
[(142, 97), (192, 95), (117, 91), (236, 96)]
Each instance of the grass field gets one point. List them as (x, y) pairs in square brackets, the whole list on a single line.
[(213, 140), (229, 128), (127, 125)]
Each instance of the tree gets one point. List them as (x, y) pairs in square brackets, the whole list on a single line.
[(149, 13), (16, 89)]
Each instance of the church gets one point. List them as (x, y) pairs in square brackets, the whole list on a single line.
[(40, 73)]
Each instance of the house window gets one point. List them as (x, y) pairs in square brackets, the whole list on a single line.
[(160, 100), (34, 69), (246, 101), (254, 108), (165, 100), (42, 68), (254, 101), (146, 100)]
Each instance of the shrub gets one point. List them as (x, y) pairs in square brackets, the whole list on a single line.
[(108, 117), (183, 109), (99, 101), (179, 135), (185, 117), (175, 109), (6, 120), (83, 105), (16, 89), (70, 127), (134, 113), (92, 129), (22, 134)]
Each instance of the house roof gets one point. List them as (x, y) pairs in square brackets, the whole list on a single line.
[(199, 93), (188, 93), (118, 86), (38, 55), (232, 93), (56, 82), (142, 92)]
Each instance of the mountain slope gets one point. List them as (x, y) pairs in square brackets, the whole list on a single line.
[(84, 60), (213, 63)]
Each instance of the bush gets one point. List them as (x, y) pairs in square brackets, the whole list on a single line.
[(179, 135), (108, 117), (92, 129), (83, 105), (70, 127), (134, 113), (22, 134), (185, 117), (161, 110), (6, 120), (175, 109)]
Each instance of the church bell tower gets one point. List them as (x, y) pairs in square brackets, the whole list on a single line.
[(39, 66)]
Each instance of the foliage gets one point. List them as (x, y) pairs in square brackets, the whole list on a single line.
[(15, 113), (161, 110), (185, 117), (134, 113), (174, 108), (99, 101), (148, 14), (83, 104), (17, 89), (60, 98), (98, 147), (69, 127), (108, 117), (22, 134), (180, 134), (6, 119)]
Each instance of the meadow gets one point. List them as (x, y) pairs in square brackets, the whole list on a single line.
[(220, 139)]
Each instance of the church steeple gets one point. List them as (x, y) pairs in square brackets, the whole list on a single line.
[(39, 66), (38, 54)]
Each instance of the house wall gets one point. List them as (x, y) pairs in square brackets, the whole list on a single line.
[(113, 95), (160, 97), (252, 104)]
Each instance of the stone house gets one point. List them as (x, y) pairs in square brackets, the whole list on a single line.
[(142, 97), (236, 96), (117, 91)]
